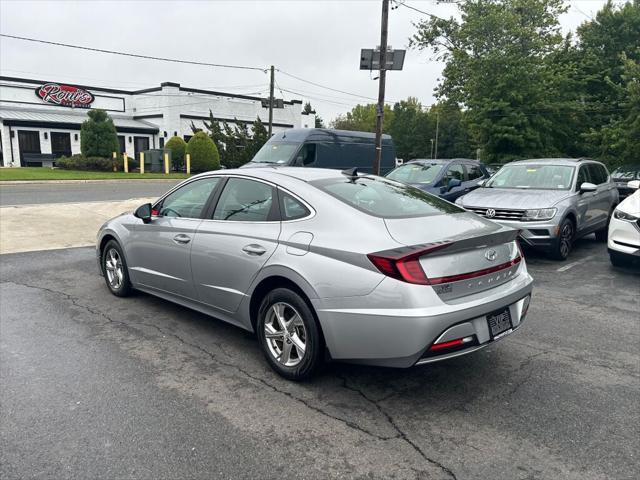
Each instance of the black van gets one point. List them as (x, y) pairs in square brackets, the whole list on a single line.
[(325, 148)]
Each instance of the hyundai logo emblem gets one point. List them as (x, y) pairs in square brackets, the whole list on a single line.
[(490, 213), (490, 255)]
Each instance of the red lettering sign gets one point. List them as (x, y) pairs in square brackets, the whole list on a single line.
[(65, 95)]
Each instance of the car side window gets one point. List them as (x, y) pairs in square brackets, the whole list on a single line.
[(474, 172), (597, 174), (455, 171), (188, 201), (307, 155), (290, 208), (244, 200), (583, 176)]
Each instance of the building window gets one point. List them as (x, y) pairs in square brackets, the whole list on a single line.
[(61, 144), (121, 145), (161, 142)]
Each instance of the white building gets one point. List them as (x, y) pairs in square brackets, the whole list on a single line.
[(40, 121)]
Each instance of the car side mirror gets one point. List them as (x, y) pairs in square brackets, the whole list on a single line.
[(143, 212), (453, 183), (635, 184), (587, 187)]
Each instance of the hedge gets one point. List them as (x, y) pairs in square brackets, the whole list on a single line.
[(97, 164), (204, 154)]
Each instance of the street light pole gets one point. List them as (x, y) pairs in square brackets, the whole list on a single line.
[(383, 74), (437, 128)]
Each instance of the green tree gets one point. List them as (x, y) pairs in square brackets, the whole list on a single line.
[(499, 66), (309, 109), (177, 146), (98, 137), (608, 48), (362, 118), (204, 154)]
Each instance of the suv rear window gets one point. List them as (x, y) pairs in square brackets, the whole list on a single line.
[(386, 199)]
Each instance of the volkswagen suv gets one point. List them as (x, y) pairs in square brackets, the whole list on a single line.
[(552, 201)]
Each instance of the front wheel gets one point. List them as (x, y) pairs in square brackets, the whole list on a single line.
[(564, 242), (115, 270), (289, 335)]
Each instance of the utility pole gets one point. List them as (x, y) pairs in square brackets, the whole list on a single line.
[(437, 128), (271, 85), (383, 75)]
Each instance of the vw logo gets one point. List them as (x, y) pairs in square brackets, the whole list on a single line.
[(490, 213), (490, 255)]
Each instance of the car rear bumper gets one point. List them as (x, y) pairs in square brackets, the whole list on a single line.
[(400, 337)]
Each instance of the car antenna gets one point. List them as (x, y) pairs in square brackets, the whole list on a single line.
[(351, 173)]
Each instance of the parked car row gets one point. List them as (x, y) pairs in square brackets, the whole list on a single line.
[(335, 264)]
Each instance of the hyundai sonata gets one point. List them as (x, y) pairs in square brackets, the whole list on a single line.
[(324, 264)]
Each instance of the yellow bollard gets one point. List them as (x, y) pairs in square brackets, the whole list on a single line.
[(142, 162), (166, 164), (125, 158), (188, 157), (115, 165)]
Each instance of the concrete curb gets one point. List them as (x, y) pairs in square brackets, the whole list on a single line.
[(71, 182)]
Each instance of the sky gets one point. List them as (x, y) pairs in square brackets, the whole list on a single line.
[(316, 40)]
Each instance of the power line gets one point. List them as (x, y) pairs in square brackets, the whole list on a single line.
[(324, 86), (135, 55), (401, 3)]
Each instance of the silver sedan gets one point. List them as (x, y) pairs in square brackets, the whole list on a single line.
[(324, 264)]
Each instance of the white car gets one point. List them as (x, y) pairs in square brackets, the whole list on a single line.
[(624, 229)]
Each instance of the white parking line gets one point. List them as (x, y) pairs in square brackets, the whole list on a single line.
[(571, 265)]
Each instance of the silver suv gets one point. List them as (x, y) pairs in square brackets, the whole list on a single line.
[(552, 201)]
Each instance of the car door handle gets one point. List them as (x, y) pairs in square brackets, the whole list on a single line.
[(182, 238), (253, 249)]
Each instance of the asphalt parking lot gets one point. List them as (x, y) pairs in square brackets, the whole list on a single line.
[(99, 387)]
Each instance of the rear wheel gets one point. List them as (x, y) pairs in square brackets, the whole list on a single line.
[(115, 270), (564, 242), (289, 335)]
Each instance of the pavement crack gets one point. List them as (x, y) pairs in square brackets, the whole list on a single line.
[(401, 434), (216, 358)]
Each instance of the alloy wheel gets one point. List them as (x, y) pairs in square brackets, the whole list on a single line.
[(566, 237), (114, 269), (285, 334)]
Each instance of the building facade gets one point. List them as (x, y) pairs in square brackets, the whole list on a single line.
[(40, 120)]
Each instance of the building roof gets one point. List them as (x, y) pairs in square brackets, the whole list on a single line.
[(39, 118)]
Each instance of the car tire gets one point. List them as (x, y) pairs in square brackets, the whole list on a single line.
[(114, 269), (564, 243), (289, 335)]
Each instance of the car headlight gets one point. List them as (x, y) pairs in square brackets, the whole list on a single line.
[(627, 217), (540, 214)]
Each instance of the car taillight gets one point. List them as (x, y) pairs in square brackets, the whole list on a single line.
[(404, 263)]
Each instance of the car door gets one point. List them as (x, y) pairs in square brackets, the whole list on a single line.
[(234, 242), (585, 203), (601, 201), (454, 171), (158, 252), (473, 178)]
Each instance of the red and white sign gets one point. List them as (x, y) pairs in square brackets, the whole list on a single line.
[(65, 95)]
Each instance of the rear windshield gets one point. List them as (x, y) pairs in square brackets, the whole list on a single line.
[(384, 198), (276, 152), (545, 177), (416, 173)]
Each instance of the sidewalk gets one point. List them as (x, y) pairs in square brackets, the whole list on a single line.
[(106, 180), (62, 225)]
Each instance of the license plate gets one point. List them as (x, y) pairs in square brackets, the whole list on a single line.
[(499, 323)]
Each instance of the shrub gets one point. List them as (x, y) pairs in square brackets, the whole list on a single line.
[(99, 164), (204, 154), (177, 146), (98, 136)]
